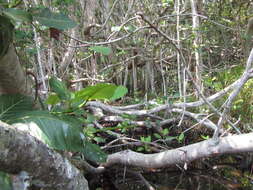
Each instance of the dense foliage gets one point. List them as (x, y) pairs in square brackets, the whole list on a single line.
[(147, 75)]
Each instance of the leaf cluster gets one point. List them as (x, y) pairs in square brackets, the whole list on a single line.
[(62, 130)]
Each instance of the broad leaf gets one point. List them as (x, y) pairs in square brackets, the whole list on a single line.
[(119, 92), (101, 49), (94, 153), (54, 20), (100, 91), (18, 15), (58, 134), (181, 137), (165, 131), (11, 105), (59, 88), (52, 99), (157, 135), (61, 132)]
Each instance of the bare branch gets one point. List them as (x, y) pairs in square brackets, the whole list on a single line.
[(244, 78), (183, 155)]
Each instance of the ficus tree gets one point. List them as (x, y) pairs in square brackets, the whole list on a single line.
[(133, 48)]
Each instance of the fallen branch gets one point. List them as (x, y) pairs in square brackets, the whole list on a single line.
[(184, 155), (113, 109)]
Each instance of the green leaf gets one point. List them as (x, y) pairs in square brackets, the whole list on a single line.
[(100, 91), (101, 49), (119, 92), (71, 120), (140, 149), (18, 15), (89, 131), (146, 139), (99, 139), (94, 153), (54, 20), (57, 133), (61, 132), (52, 99), (59, 88), (11, 105), (157, 136), (205, 137), (165, 131), (181, 137), (90, 118)]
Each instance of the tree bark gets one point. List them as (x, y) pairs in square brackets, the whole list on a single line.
[(19, 151), (197, 46), (13, 78)]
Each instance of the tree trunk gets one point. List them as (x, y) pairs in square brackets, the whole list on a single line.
[(197, 46), (13, 79), (21, 152)]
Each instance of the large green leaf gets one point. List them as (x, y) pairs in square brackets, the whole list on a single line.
[(94, 153), (11, 105), (60, 132), (119, 92), (57, 133), (52, 99), (18, 15), (101, 49), (54, 20), (59, 88), (102, 91)]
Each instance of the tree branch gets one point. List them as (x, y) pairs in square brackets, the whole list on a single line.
[(183, 155)]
